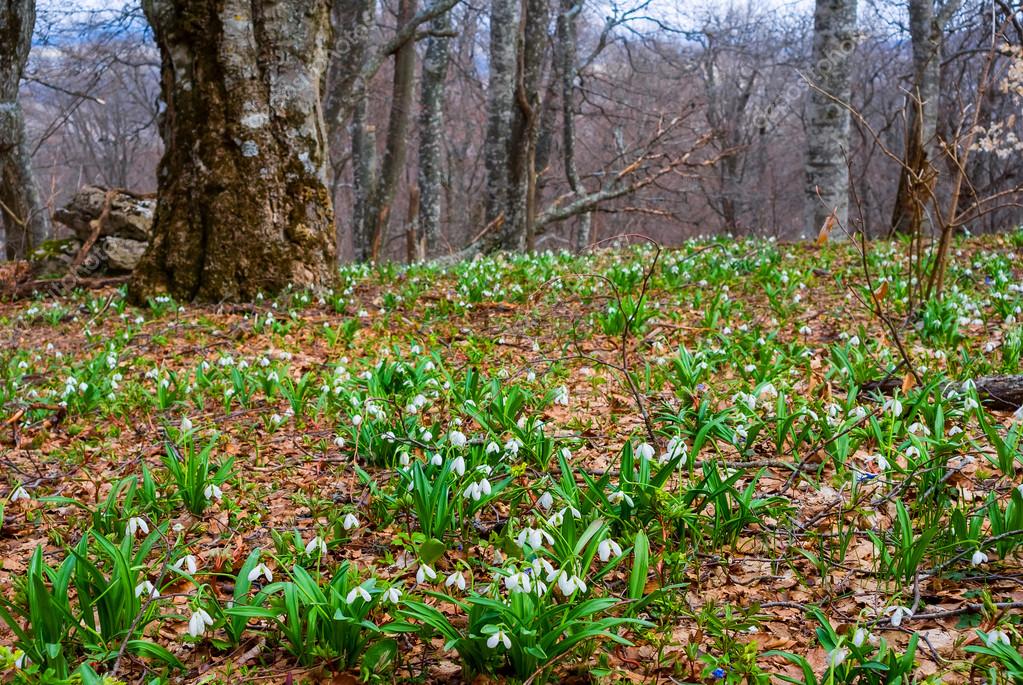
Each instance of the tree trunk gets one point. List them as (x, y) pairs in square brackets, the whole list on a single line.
[(926, 29), (500, 104), (566, 47), (827, 171), (26, 221), (379, 207), (243, 204), (522, 199), (431, 133)]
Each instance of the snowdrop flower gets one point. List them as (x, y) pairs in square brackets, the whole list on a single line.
[(458, 465), (534, 536), (350, 521), (898, 613), (608, 548), (392, 595), (561, 396), (512, 446), (198, 621), (477, 490), (805, 330), (317, 543), (258, 570), (546, 501), (978, 558), (356, 593), (146, 587), (881, 462), (836, 656), (339, 442), (618, 496), (437, 460), (954, 430), (499, 637), (22, 661), (997, 637), (20, 493), (425, 573), (1018, 415), (357, 420), (186, 424), (861, 637), (569, 584), (542, 567), (457, 438), (493, 448), (136, 524), (518, 582), (213, 491), (913, 451), (456, 579), (894, 406), (187, 561), (645, 451), (854, 341), (970, 404)]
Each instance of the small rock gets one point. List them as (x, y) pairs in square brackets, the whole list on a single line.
[(122, 254)]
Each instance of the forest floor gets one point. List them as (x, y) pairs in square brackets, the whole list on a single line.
[(638, 465)]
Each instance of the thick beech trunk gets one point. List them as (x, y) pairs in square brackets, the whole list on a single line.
[(500, 106), (22, 212), (827, 135), (243, 204)]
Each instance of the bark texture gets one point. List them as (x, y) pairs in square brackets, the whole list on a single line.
[(500, 104), (568, 71), (243, 203), (827, 171), (431, 133), (927, 33), (24, 217)]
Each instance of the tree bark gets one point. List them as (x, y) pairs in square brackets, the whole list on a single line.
[(243, 203), (500, 104), (927, 34), (378, 209), (24, 216), (431, 133), (827, 171), (566, 47)]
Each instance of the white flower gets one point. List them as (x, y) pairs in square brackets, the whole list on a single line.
[(146, 587), (854, 341), (457, 438), (970, 404), (898, 613), (608, 548), (997, 637), (836, 656), (561, 396), (534, 537), (493, 447), (546, 501), (437, 460), (456, 579), (499, 637), (518, 582), (618, 496), (425, 573), (187, 561), (569, 584), (357, 420), (258, 570), (135, 524), (186, 424), (356, 594), (350, 521), (894, 406), (645, 451), (317, 543), (22, 661), (198, 621), (393, 594), (978, 558), (458, 465), (861, 637), (20, 493), (213, 491)]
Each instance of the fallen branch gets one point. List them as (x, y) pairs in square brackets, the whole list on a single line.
[(996, 392)]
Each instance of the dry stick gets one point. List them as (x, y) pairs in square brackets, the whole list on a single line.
[(97, 228)]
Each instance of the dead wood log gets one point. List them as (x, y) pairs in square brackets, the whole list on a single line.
[(1003, 392)]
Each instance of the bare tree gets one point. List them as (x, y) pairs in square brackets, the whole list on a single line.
[(431, 133), (26, 220), (827, 171), (243, 199)]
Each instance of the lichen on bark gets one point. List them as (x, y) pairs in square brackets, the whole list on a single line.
[(243, 204)]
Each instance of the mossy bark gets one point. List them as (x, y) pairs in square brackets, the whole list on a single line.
[(243, 203)]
